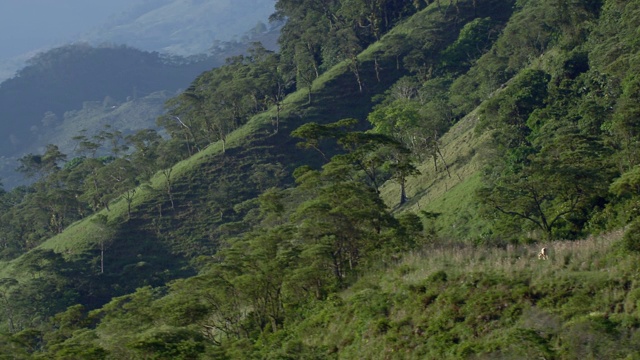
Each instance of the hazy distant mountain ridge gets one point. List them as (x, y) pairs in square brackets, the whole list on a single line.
[(182, 27), (175, 27)]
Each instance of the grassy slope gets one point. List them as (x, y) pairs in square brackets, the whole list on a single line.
[(449, 195), (455, 301), (166, 238), (158, 242)]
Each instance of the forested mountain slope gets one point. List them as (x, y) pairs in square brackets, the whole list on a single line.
[(78, 90), (492, 126)]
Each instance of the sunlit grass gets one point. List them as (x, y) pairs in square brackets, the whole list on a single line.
[(448, 193)]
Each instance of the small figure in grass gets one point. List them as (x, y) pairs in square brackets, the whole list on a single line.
[(543, 254)]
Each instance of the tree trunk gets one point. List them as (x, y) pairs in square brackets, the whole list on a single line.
[(403, 192), (102, 257)]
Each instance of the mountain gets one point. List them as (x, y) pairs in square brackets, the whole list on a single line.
[(59, 81), (171, 27), (35, 104), (379, 188)]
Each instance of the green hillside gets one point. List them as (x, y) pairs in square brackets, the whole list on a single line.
[(379, 189)]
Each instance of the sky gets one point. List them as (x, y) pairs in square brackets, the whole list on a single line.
[(27, 25)]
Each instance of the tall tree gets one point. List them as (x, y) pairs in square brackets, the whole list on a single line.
[(41, 165)]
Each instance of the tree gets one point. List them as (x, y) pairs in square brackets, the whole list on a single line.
[(474, 40), (86, 147), (122, 176), (396, 45), (401, 169), (306, 70), (276, 79), (340, 226), (115, 139), (624, 125), (257, 266), (6, 285), (509, 111), (628, 184), (180, 129), (366, 153), (316, 134), (553, 187), (169, 343), (54, 197), (404, 121), (41, 165), (53, 285), (96, 188), (344, 45), (168, 185), (144, 158), (343, 218)]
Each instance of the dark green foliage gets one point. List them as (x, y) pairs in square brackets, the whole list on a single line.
[(508, 113), (221, 100), (631, 239), (318, 35), (475, 39), (624, 124), (439, 276), (169, 344)]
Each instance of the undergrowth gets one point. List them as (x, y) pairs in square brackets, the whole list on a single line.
[(453, 300)]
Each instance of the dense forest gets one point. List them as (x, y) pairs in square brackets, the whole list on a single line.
[(306, 203)]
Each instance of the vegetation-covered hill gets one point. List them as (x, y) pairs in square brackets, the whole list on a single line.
[(78, 89), (62, 79), (377, 189)]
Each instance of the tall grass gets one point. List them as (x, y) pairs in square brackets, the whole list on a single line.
[(460, 258)]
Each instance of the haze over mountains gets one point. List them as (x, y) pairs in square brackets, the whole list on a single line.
[(183, 27), (132, 60), (29, 27)]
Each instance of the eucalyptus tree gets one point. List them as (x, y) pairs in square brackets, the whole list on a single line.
[(223, 99), (273, 79), (344, 218), (406, 121), (552, 170), (339, 227), (42, 165), (96, 186), (145, 156), (56, 200), (123, 177), (320, 33), (181, 122)]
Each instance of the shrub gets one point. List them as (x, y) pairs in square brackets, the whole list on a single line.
[(631, 238)]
